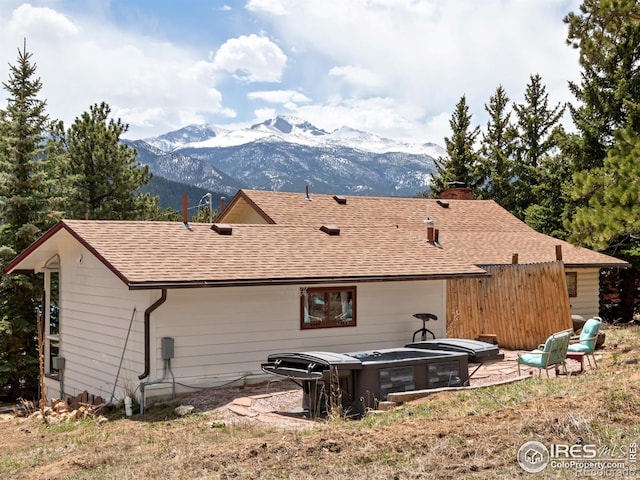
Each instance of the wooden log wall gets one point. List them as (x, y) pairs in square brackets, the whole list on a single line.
[(521, 304)]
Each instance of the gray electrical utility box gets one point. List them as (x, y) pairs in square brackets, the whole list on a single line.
[(167, 347)]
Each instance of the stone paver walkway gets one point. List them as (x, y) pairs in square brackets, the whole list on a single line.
[(284, 408)]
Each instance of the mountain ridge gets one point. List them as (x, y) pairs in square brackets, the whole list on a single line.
[(284, 128), (288, 154)]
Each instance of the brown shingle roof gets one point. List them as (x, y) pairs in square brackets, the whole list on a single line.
[(478, 231), (285, 208), (146, 254)]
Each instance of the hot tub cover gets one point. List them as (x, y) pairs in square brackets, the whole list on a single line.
[(477, 351), (401, 355)]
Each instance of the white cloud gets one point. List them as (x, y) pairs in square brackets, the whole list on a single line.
[(357, 75), (154, 86), (393, 67), (262, 114), (274, 7), (382, 116), (430, 53), (42, 22), (279, 96), (251, 58), (437, 128)]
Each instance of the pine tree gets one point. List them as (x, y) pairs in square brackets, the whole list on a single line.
[(25, 212), (607, 34), (612, 216), (538, 133), (104, 173), (604, 152), (462, 157), (552, 195), (496, 165)]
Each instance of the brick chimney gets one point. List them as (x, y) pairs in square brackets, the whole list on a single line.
[(457, 191)]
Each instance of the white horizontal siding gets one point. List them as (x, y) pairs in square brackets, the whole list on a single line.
[(220, 333), (587, 301), (95, 313), (229, 332), (52, 387)]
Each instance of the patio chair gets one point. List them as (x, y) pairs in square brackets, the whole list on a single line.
[(548, 355), (586, 342)]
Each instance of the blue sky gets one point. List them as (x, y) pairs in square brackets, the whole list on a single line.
[(395, 68)]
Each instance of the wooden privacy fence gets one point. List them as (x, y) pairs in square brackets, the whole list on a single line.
[(521, 304)]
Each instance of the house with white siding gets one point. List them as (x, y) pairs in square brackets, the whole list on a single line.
[(148, 309), (479, 232)]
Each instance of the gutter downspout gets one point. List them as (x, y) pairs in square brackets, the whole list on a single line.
[(147, 329)]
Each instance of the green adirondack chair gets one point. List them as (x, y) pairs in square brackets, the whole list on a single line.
[(586, 342), (549, 355)]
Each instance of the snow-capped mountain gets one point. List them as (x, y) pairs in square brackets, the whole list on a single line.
[(192, 133), (289, 129), (288, 153)]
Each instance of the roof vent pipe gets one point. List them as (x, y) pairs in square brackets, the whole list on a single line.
[(340, 199), (558, 252), (222, 199), (307, 197), (430, 229), (436, 238), (431, 234)]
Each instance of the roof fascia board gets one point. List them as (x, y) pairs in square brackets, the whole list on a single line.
[(50, 233), (33, 247), (597, 265), (96, 254), (296, 281), (566, 265)]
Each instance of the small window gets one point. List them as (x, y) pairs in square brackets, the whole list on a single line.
[(572, 283), (52, 322), (327, 307)]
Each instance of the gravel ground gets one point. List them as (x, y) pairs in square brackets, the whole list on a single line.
[(216, 398)]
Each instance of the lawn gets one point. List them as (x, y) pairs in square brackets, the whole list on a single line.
[(449, 435)]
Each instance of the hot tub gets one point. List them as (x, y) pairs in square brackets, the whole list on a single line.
[(406, 369), (359, 380)]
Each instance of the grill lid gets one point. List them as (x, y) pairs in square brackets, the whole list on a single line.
[(308, 365)]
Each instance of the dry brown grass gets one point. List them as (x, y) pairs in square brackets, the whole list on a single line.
[(469, 434)]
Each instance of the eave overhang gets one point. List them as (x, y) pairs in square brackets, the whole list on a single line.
[(253, 282)]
